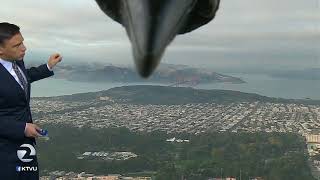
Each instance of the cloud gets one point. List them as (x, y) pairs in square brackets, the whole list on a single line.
[(244, 33)]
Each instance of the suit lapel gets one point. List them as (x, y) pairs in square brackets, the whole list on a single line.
[(11, 81)]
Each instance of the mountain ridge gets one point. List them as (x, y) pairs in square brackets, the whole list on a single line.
[(154, 94), (167, 73)]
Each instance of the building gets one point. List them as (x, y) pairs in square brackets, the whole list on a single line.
[(312, 138)]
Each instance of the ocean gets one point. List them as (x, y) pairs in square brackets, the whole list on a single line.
[(260, 84)]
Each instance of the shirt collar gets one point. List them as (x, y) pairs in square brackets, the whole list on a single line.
[(6, 64)]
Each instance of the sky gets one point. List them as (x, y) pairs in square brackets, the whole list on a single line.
[(245, 34)]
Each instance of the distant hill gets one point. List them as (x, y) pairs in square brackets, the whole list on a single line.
[(147, 94), (166, 73)]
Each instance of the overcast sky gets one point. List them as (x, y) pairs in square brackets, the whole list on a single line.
[(244, 34)]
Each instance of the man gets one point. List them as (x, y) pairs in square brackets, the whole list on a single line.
[(17, 131)]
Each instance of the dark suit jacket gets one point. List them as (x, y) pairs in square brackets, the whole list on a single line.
[(14, 114)]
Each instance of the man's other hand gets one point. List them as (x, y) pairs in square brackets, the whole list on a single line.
[(54, 60), (31, 130)]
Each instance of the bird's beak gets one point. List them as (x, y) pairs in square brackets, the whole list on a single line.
[(151, 25)]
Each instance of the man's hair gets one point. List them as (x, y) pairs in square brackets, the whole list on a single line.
[(7, 31)]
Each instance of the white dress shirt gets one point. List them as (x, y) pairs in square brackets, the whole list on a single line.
[(9, 68)]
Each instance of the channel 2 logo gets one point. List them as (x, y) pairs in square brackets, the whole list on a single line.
[(26, 153), (23, 151)]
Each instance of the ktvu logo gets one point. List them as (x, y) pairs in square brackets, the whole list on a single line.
[(25, 153)]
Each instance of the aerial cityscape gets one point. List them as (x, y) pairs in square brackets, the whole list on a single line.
[(194, 118)]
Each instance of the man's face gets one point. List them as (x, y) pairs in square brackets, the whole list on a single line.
[(13, 49)]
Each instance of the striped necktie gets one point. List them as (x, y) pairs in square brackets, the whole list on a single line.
[(21, 78)]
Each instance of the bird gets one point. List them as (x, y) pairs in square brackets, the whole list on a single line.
[(151, 25)]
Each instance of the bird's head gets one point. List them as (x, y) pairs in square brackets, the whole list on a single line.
[(152, 24)]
